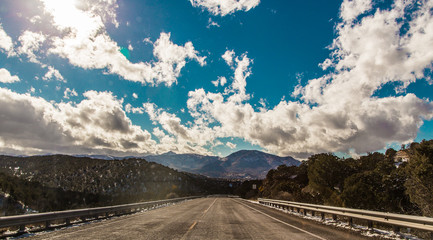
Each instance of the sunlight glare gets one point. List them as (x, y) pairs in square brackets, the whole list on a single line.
[(66, 15)]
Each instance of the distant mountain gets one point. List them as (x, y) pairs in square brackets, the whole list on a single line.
[(104, 157), (244, 164), (183, 162)]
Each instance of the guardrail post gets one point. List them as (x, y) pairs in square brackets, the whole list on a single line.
[(47, 224), (305, 212), (322, 216), (313, 213), (22, 228), (369, 224), (396, 228), (67, 221), (334, 217), (350, 221)]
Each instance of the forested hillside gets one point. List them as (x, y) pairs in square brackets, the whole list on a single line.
[(400, 182), (58, 182)]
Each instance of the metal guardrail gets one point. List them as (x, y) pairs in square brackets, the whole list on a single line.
[(395, 220), (67, 216)]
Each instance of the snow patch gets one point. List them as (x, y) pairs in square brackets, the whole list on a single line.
[(363, 230)]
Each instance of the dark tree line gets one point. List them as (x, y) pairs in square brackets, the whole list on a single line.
[(60, 182), (373, 182), (38, 197)]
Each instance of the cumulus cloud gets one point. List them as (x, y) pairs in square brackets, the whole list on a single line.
[(228, 57), (31, 42), (134, 95), (220, 81), (231, 145), (85, 43), (175, 136), (130, 109), (350, 10), (69, 93), (6, 43), (224, 7), (53, 74), (6, 77), (97, 124)]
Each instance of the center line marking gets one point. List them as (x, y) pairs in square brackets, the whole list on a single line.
[(192, 226), (195, 222)]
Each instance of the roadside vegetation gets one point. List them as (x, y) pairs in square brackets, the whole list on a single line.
[(397, 181)]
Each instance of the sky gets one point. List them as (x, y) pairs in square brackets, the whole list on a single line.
[(138, 77)]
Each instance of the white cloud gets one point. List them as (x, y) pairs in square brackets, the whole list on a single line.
[(351, 9), (97, 124), (134, 95), (85, 43), (31, 42), (224, 7), (147, 40), (53, 73), (212, 23), (6, 43), (130, 109), (220, 81), (6, 77), (231, 145), (228, 57), (69, 93), (35, 19), (223, 81), (179, 138)]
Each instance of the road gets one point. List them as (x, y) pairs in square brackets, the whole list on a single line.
[(204, 218)]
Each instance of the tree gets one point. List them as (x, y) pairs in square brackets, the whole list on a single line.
[(326, 174), (362, 191), (370, 162), (419, 184)]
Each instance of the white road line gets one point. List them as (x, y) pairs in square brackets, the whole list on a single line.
[(278, 220)]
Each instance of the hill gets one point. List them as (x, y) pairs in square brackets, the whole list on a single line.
[(99, 182)]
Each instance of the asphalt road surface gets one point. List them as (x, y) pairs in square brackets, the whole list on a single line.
[(204, 218)]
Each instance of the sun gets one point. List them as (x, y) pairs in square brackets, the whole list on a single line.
[(66, 15)]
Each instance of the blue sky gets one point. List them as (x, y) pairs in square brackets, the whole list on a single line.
[(214, 76)]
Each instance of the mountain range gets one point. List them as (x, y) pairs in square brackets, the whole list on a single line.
[(244, 164)]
